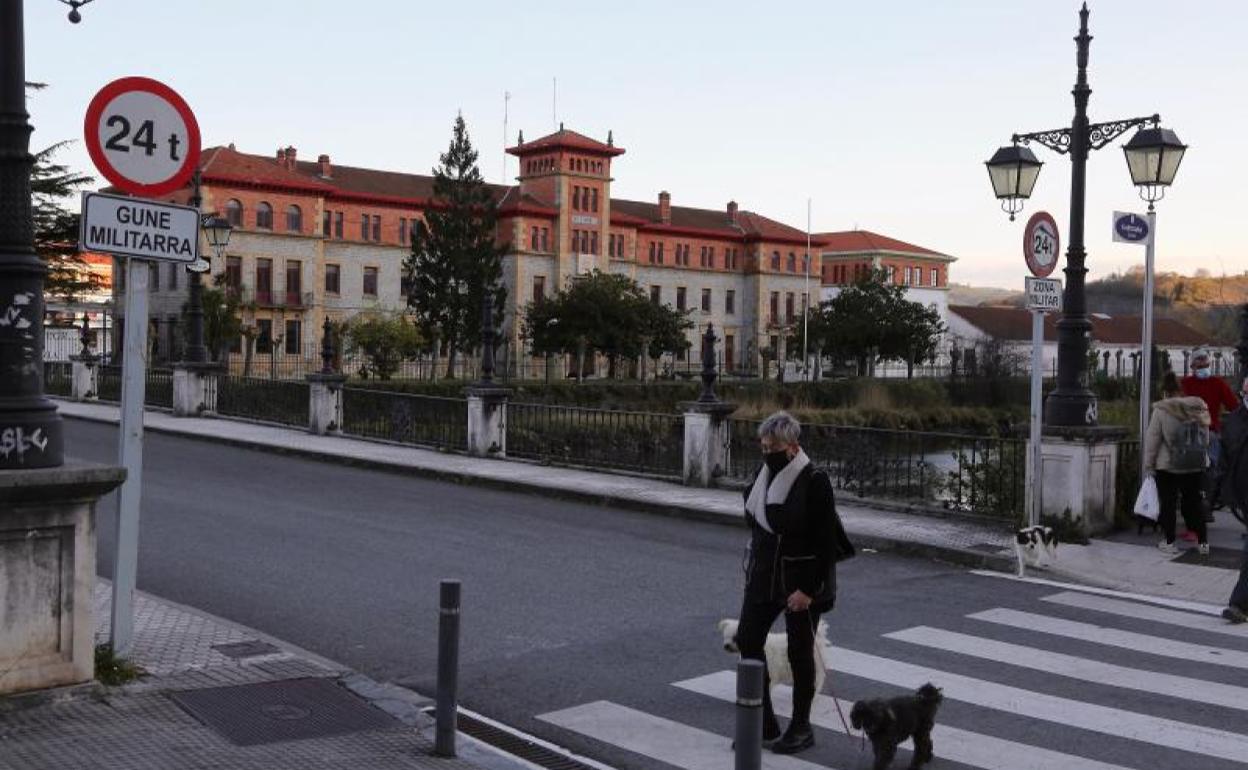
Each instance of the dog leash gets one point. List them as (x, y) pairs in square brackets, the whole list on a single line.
[(828, 681)]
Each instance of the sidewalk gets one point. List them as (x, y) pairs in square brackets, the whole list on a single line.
[(278, 707), (1123, 561)]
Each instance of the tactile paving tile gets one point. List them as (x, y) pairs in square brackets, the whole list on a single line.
[(295, 709)]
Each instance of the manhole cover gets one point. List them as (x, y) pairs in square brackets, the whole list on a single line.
[(251, 714), (1226, 558), (249, 649)]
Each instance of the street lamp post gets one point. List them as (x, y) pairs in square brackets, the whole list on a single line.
[(217, 231), (1013, 171)]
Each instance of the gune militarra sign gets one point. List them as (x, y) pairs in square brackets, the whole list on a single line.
[(137, 228)]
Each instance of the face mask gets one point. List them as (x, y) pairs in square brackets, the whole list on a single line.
[(1203, 374), (776, 461)]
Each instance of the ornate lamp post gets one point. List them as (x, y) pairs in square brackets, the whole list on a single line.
[(217, 231), (1013, 171)]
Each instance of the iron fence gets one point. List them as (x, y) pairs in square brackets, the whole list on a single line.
[(109, 383), (641, 442), (58, 378), (406, 418), (983, 475), (279, 401), (159, 388), (1126, 482)]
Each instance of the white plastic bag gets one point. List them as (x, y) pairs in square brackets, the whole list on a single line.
[(1147, 504)]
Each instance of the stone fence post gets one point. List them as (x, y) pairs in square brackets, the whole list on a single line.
[(325, 403), (1079, 468), (195, 389), (706, 425), (84, 383), (487, 402)]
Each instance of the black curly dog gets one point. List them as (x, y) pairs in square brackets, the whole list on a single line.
[(890, 722)]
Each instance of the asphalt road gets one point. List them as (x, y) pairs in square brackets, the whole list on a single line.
[(568, 604)]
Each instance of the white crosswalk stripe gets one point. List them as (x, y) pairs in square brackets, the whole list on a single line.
[(1146, 728), (1129, 640), (658, 738), (1199, 622), (1060, 664), (951, 743)]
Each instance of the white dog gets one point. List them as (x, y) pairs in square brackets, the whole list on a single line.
[(776, 650), (1035, 547)]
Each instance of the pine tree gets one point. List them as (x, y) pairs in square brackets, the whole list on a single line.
[(56, 227), (455, 255)]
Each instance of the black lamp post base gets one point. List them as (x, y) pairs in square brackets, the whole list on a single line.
[(1076, 409), (30, 435)]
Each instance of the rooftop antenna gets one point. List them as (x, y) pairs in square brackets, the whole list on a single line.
[(506, 101)]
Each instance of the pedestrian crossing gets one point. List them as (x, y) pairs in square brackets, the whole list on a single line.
[(1192, 721)]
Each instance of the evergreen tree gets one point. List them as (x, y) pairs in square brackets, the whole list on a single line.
[(456, 257), (56, 227)]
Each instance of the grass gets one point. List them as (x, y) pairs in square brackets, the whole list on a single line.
[(113, 670)]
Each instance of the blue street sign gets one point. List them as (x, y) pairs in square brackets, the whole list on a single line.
[(1130, 228)]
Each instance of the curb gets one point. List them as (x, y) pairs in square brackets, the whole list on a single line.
[(957, 556)]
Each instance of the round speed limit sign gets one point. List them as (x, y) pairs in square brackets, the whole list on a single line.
[(1041, 244), (142, 136)]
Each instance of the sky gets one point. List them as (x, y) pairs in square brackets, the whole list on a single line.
[(881, 114)]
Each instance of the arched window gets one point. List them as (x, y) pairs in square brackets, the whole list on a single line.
[(775, 261), (792, 262), (294, 219), (264, 216), (234, 212)]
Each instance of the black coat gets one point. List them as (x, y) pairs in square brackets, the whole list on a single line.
[(1234, 468), (808, 541)]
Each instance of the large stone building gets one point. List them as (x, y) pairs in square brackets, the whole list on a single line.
[(847, 255), (313, 240)]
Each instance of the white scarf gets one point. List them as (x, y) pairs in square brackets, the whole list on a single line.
[(762, 495)]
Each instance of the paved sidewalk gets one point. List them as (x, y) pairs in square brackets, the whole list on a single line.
[(1123, 563), (183, 651)]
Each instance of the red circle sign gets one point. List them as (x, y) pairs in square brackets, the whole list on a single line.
[(1041, 244), (142, 136)]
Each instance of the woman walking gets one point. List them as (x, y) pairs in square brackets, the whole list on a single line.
[(1175, 454), (796, 539)]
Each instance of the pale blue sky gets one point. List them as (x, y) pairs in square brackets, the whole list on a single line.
[(881, 112)]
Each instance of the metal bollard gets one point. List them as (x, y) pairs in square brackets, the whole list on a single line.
[(448, 669), (749, 715)]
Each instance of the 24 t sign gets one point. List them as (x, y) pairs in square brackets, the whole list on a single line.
[(142, 136)]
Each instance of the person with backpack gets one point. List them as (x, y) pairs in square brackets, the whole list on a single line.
[(1176, 449), (1217, 396), (1235, 494)]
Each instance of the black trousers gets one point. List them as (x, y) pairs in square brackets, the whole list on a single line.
[(756, 620), (1181, 490)]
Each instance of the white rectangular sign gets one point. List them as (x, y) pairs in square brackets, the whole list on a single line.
[(133, 227), (1044, 294)]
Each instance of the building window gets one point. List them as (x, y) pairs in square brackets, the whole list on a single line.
[(338, 224), (619, 245), (539, 289), (792, 264), (327, 222), (173, 276), (233, 275), (661, 253), (611, 244), (292, 339), (264, 216), (891, 274), (935, 277), (403, 231), (234, 212), (710, 256), (653, 251), (656, 294), (775, 261), (702, 257), (264, 281), (576, 197), (333, 277), (264, 335), (377, 227), (370, 282), (805, 264), (775, 308), (593, 242), (533, 238), (294, 282), (706, 300), (153, 276), (730, 302), (364, 223), (294, 219), (680, 298), (788, 307), (594, 194)]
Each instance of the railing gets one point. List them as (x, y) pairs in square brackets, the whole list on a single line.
[(406, 418), (1126, 481), (642, 442), (58, 378), (971, 474), (280, 401), (109, 383), (159, 388)]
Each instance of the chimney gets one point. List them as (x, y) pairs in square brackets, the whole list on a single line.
[(732, 212), (327, 171), (665, 207), (281, 157), (290, 158)]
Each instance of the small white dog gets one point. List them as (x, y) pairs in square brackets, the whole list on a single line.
[(776, 650), (1035, 547)]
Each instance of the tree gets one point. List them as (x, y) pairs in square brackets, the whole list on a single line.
[(222, 323), (455, 256), (605, 313), (871, 319), (56, 227), (386, 339)]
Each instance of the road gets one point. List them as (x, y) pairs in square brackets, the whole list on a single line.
[(594, 627)]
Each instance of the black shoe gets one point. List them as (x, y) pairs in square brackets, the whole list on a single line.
[(771, 731), (793, 741)]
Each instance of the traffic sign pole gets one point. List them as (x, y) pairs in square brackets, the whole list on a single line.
[(1034, 454), (130, 455), (1146, 335)]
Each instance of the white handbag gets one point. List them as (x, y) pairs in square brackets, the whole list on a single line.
[(1147, 504)]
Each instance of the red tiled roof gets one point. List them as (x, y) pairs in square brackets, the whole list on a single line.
[(857, 241), (1010, 323), (563, 138), (229, 164), (749, 226)]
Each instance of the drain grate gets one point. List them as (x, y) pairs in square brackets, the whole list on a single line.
[(514, 744), (294, 709), (251, 648), (1226, 558)]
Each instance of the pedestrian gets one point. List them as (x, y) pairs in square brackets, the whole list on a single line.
[(1176, 451), (796, 540), (1235, 494), (1217, 396)]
